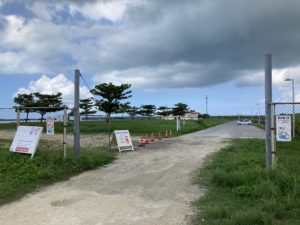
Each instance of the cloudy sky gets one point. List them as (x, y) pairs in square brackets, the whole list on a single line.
[(170, 51)]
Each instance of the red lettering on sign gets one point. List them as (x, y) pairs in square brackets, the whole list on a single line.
[(22, 149)]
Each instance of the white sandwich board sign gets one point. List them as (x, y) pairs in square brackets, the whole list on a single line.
[(26, 139), (123, 140), (283, 128)]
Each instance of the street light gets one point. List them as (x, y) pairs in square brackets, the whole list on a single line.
[(293, 93), (258, 112)]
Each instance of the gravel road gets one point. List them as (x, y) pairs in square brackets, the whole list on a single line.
[(151, 186)]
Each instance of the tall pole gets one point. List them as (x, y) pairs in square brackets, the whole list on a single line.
[(268, 101), (76, 114), (258, 113), (206, 111)]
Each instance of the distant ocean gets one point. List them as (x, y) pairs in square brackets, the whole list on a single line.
[(7, 121)]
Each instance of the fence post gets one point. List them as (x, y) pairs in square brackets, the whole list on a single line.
[(273, 136), (18, 116), (76, 114), (268, 101), (65, 132)]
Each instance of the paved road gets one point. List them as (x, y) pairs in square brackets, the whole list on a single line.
[(231, 130), (148, 187)]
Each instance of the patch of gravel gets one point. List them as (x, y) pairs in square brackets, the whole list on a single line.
[(152, 185), (56, 140)]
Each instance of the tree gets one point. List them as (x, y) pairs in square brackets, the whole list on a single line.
[(124, 108), (180, 109), (147, 110), (25, 100), (164, 111), (112, 95), (86, 105), (47, 103), (132, 111)]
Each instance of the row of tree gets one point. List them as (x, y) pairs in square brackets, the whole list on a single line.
[(88, 105), (112, 101), (39, 103)]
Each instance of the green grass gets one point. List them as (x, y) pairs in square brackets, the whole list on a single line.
[(20, 175), (135, 127), (241, 191)]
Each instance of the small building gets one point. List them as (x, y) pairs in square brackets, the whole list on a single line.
[(187, 116), (190, 116)]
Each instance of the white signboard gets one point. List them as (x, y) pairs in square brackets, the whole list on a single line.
[(123, 140), (50, 125), (26, 139), (283, 128)]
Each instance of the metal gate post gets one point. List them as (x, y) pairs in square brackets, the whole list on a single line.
[(273, 136), (268, 100), (65, 132)]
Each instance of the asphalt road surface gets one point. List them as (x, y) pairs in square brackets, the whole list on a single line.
[(231, 130), (151, 186)]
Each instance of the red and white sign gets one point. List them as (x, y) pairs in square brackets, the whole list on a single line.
[(26, 139), (283, 128), (123, 140)]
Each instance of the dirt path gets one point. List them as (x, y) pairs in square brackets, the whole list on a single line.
[(149, 186), (152, 186)]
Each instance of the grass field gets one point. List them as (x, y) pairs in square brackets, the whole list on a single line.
[(241, 191), (20, 175), (135, 127)]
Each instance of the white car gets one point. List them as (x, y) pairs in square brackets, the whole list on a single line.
[(244, 122)]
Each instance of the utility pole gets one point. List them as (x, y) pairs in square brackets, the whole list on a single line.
[(206, 101), (76, 143), (268, 114)]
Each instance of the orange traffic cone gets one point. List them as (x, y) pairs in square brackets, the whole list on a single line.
[(166, 135), (159, 136), (152, 137), (147, 139), (141, 142), (170, 134)]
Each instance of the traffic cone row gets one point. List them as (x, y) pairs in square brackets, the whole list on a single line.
[(145, 140), (142, 142), (152, 137)]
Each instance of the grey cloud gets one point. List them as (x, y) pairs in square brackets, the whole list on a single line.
[(215, 40), (232, 33), (179, 75)]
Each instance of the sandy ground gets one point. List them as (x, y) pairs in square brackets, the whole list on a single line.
[(151, 186), (86, 140)]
